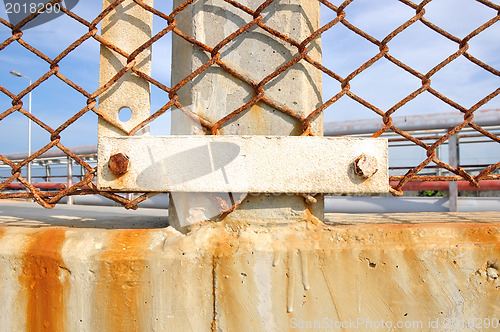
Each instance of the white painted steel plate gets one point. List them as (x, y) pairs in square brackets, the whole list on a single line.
[(244, 164)]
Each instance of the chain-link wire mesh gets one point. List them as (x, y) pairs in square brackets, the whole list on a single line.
[(86, 185)]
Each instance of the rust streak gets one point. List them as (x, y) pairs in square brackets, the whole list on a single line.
[(483, 235), (225, 293), (120, 281), (417, 225), (40, 277), (310, 217)]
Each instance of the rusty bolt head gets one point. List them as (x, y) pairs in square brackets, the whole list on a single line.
[(118, 164), (365, 166)]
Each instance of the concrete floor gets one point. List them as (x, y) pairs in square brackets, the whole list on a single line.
[(27, 214)]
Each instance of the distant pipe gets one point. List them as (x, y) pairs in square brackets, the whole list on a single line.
[(340, 204), (41, 185), (484, 185), (353, 127), (156, 202), (411, 122)]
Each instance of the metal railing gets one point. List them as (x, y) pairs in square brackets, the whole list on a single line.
[(57, 165), (387, 117)]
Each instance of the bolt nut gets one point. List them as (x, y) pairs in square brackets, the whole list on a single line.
[(365, 166), (118, 164)]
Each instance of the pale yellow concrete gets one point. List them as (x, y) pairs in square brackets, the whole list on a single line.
[(231, 276)]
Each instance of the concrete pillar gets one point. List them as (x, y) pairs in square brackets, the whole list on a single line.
[(215, 93), (453, 160), (69, 180), (47, 172), (128, 27)]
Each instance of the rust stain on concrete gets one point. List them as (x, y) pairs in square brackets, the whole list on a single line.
[(262, 276), (121, 281), (223, 247), (310, 217), (257, 116), (483, 234), (41, 270)]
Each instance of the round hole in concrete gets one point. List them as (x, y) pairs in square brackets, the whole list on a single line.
[(124, 114)]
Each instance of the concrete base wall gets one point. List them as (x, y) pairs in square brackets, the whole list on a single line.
[(229, 276)]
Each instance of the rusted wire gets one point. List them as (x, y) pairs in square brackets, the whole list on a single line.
[(87, 187)]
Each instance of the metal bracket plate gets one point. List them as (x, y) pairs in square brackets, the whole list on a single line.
[(245, 164)]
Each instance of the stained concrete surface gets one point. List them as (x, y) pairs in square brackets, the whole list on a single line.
[(27, 214), (429, 272)]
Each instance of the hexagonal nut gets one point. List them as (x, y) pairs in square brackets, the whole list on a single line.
[(118, 164), (365, 166)]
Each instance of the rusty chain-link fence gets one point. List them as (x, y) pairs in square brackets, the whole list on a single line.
[(86, 185)]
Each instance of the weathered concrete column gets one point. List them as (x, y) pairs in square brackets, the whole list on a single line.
[(128, 27), (215, 93)]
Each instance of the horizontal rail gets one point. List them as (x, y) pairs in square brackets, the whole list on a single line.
[(485, 185), (409, 204), (85, 150), (482, 118), (39, 185), (341, 204)]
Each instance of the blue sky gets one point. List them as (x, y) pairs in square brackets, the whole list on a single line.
[(383, 84)]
